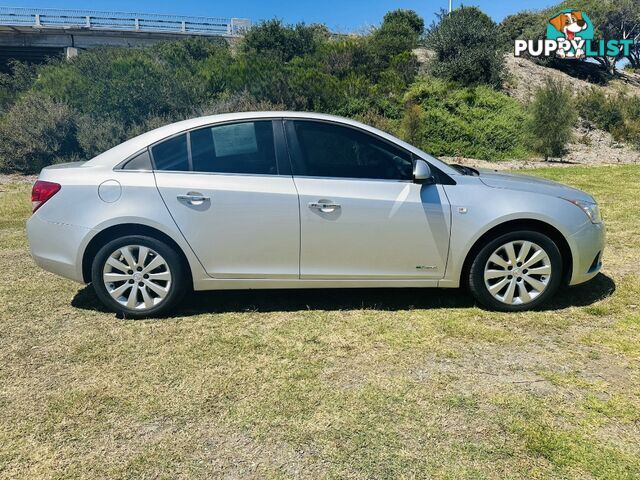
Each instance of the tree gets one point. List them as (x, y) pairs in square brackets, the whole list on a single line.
[(522, 25), (406, 18), (399, 33), (622, 22), (612, 19), (553, 118), (468, 47)]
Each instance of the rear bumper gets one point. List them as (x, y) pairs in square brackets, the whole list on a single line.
[(55, 247), (588, 247)]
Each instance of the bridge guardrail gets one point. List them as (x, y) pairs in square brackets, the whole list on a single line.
[(121, 21)]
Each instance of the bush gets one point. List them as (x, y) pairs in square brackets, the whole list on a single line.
[(617, 114), (344, 57), (605, 113), (476, 122), (468, 48), (238, 102), (272, 37), (553, 118), (127, 85), (20, 78), (35, 132), (97, 135)]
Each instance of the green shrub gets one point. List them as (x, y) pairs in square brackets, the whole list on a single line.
[(238, 102), (617, 114), (476, 122), (553, 117), (632, 108), (127, 85), (468, 48), (272, 37), (35, 132), (344, 57), (19, 78), (97, 135), (632, 132)]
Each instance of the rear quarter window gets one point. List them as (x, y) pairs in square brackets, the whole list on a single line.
[(142, 161)]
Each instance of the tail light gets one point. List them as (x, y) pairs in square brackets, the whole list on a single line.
[(41, 192)]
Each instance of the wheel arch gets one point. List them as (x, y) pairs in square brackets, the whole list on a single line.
[(120, 230), (522, 224)]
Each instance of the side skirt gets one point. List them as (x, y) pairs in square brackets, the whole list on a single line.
[(247, 284)]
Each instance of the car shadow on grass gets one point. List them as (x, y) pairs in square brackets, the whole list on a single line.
[(390, 299)]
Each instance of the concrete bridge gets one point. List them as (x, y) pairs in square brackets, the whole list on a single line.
[(34, 34)]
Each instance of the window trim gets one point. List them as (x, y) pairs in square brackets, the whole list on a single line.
[(285, 151), (275, 121)]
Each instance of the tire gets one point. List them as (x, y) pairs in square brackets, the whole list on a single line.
[(159, 282), (498, 284)]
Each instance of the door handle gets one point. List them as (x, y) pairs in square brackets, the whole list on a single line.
[(324, 207), (194, 198)]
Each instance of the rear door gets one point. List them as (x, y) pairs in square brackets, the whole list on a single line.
[(233, 198), (361, 215)]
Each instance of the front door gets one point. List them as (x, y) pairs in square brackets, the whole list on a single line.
[(223, 186), (361, 215)]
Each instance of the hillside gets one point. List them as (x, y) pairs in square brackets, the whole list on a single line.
[(591, 145), (524, 76)]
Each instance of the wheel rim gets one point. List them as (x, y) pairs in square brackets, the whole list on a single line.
[(517, 272), (137, 277)]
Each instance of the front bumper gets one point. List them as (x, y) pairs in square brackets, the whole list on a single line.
[(588, 248), (55, 247)]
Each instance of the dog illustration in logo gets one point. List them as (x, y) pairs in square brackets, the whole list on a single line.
[(570, 24)]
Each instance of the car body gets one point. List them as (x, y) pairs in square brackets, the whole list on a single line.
[(283, 200)]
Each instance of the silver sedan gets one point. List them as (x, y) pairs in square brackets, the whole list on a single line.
[(301, 200)]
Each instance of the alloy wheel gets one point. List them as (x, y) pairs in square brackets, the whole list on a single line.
[(517, 272), (137, 277)]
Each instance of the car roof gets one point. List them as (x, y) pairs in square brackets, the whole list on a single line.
[(126, 149)]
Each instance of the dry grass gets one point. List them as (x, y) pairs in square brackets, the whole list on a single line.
[(346, 384)]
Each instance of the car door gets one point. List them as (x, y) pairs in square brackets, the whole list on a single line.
[(361, 215), (233, 198)]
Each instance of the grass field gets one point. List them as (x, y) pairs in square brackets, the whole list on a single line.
[(338, 384)]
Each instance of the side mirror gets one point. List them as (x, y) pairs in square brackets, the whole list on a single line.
[(422, 173)]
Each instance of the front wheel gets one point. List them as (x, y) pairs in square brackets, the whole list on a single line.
[(516, 271), (138, 276)]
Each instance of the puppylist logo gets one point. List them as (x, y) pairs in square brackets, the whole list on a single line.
[(570, 34)]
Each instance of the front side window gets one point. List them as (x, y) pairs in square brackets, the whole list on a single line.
[(328, 150), (171, 154), (246, 148)]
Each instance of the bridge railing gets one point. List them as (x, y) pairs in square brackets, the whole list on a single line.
[(121, 21)]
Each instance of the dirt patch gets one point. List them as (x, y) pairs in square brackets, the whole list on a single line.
[(17, 178), (524, 77)]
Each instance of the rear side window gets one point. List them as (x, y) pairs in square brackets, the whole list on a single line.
[(172, 154), (329, 150), (246, 147), (142, 161)]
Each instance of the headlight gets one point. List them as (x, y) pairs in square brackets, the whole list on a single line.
[(589, 208)]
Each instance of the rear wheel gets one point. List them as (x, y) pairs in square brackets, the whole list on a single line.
[(138, 276), (516, 271)]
